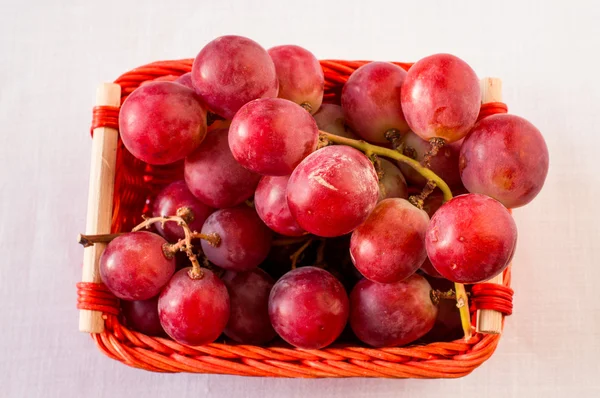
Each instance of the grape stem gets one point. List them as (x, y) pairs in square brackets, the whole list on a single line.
[(296, 255), (370, 149), (418, 200), (393, 154)]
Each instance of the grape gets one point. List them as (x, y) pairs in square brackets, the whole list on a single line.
[(471, 238), (245, 240), (194, 311), (271, 136), (134, 267), (271, 205), (371, 101), (428, 268), (231, 71), (185, 80), (173, 197), (333, 191), (249, 300), (390, 245), (308, 308), (441, 98), (142, 315), (432, 203), (392, 184), (162, 122), (504, 157), (330, 118), (278, 261), (213, 175), (392, 314), (444, 164), (300, 76)]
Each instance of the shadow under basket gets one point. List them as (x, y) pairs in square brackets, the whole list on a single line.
[(121, 188)]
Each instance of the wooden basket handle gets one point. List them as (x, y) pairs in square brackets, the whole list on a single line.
[(100, 200), (490, 321)]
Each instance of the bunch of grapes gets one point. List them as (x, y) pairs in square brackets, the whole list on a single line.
[(295, 217)]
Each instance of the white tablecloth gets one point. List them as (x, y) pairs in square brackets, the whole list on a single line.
[(54, 53)]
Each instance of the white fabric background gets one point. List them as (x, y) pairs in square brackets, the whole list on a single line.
[(54, 53)]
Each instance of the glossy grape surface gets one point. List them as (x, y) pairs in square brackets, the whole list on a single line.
[(471, 238), (231, 71), (215, 177), (134, 267), (441, 97), (308, 308), (330, 118), (271, 205), (142, 315), (162, 122), (185, 80), (333, 191), (393, 184), (504, 157)]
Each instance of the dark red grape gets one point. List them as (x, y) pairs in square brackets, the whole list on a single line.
[(505, 157), (333, 191), (300, 76), (245, 239), (142, 315), (330, 118), (271, 205), (271, 136), (162, 122), (172, 197), (134, 267), (249, 301), (194, 311), (448, 326), (429, 269), (392, 184), (371, 101), (444, 164), (471, 238), (390, 245), (185, 80), (433, 202), (392, 314), (308, 308), (214, 176), (231, 71), (441, 97)]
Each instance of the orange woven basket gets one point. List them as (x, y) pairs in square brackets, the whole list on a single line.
[(132, 184)]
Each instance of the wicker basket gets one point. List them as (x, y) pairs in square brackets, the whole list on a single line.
[(123, 186)]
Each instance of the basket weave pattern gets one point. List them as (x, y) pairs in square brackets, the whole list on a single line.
[(137, 182)]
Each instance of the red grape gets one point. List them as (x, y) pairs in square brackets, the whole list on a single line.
[(271, 136), (504, 157), (429, 269), (392, 314), (249, 321), (432, 203), (142, 315), (371, 101), (245, 240), (134, 267), (471, 238), (173, 197), (300, 76), (308, 308), (162, 122), (390, 245), (448, 326), (441, 97), (392, 184), (231, 71), (444, 163), (185, 80), (214, 176), (194, 311), (271, 205), (333, 191), (330, 118)]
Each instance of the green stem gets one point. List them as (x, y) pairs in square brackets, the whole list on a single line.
[(393, 154), (369, 149)]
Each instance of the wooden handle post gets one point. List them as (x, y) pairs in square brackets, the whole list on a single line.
[(100, 200), (490, 321)]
